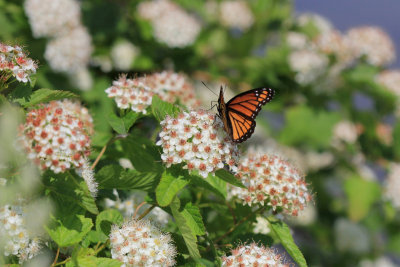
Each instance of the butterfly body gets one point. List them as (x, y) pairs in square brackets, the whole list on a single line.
[(239, 113)]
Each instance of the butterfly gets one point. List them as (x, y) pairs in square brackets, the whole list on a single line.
[(238, 115)]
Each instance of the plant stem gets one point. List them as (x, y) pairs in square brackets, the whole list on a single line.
[(102, 247), (146, 212), (138, 207), (56, 258), (63, 262), (112, 140)]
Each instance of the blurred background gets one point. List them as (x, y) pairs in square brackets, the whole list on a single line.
[(333, 67)]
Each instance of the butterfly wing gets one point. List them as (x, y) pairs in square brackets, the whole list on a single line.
[(242, 110)]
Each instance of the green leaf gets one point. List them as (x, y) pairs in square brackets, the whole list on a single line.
[(92, 261), (104, 221), (361, 195), (304, 126), (66, 188), (194, 219), (161, 108), (44, 95), (114, 176), (140, 154), (70, 230), (282, 231), (122, 125), (212, 183), (228, 177), (188, 235), (168, 187)]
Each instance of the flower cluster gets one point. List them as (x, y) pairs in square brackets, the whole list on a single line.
[(123, 54), (170, 87), (198, 140), (253, 255), (334, 43), (57, 135), (309, 65), (171, 24), (392, 185), (131, 93), (322, 24), (69, 52), (236, 14), (14, 62), (15, 235), (271, 181), (390, 79), (49, 18), (139, 243), (70, 47), (345, 131), (373, 43)]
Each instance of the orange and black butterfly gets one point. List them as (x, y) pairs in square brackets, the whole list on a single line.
[(238, 115)]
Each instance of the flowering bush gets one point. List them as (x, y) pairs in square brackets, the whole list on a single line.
[(103, 168)]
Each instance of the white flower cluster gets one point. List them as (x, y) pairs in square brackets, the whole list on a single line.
[(128, 206), (69, 52), (139, 243), (198, 140), (345, 131), (334, 43), (14, 62), (297, 41), (123, 54), (322, 24), (252, 255), (373, 43), (236, 14), (171, 24), (57, 135), (392, 185), (131, 93), (390, 79), (49, 18), (170, 87), (271, 181), (70, 47), (16, 238), (309, 65)]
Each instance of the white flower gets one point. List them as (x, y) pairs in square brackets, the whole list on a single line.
[(172, 87), (139, 243), (131, 93), (318, 160), (392, 185), (88, 176), (13, 231), (102, 61), (176, 28), (252, 255), (51, 17), (70, 51), (296, 40), (261, 226), (82, 79), (273, 182), (306, 217), (351, 237), (390, 79), (199, 141), (236, 14), (57, 135), (318, 21), (14, 62), (123, 54), (334, 43), (308, 65), (345, 131), (374, 43), (152, 10), (379, 262)]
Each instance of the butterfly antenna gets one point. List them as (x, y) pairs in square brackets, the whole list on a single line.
[(208, 88)]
